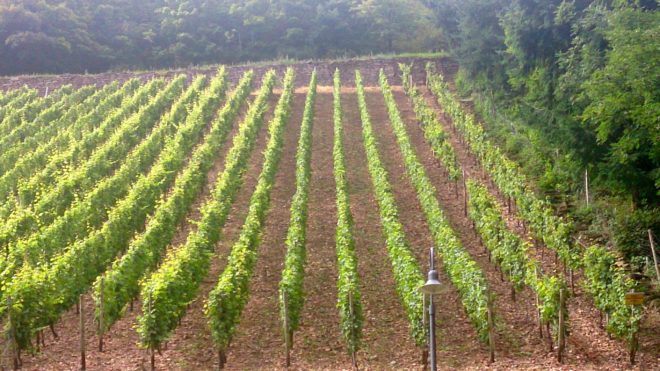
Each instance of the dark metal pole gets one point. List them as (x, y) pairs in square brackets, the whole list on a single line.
[(434, 366)]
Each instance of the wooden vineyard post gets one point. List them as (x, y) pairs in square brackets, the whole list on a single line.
[(633, 342), (101, 309), (222, 359), (655, 259), (634, 300), (152, 355), (538, 311), (83, 365), (586, 185), (607, 321), (287, 340), (561, 341), (491, 337), (465, 200), (350, 307), (11, 339)]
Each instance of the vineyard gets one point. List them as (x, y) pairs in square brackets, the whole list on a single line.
[(282, 216)]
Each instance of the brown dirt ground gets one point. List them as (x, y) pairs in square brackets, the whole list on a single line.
[(386, 337), (304, 69), (319, 336)]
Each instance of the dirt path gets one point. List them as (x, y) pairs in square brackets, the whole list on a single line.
[(319, 337), (120, 343), (457, 339), (386, 337), (257, 342), (588, 345)]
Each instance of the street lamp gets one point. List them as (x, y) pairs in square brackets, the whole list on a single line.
[(430, 288)]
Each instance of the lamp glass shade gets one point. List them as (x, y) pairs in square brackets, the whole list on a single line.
[(432, 285)]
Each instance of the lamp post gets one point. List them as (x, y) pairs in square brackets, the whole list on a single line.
[(430, 288)]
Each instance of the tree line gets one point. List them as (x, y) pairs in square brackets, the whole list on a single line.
[(56, 36)]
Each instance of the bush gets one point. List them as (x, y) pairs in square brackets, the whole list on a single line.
[(629, 231)]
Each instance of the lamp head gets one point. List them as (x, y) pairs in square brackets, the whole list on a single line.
[(432, 285)]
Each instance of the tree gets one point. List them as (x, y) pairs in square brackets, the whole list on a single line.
[(401, 25), (624, 108)]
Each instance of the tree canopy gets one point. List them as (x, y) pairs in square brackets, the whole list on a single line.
[(75, 36)]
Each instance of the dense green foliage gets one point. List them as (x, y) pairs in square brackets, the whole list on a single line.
[(87, 119), (510, 251), (121, 283), (607, 284), (40, 294), (348, 290), (430, 124), (77, 36), (62, 217), (291, 292), (60, 120)]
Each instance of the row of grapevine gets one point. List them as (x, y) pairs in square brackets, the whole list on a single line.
[(90, 211), (40, 180), (9, 97), (42, 127), (348, 291), (121, 283), (72, 272), (462, 270), (110, 155), (608, 283), (511, 253), (431, 127), (605, 282), (406, 271), (291, 295), (14, 121), (506, 174), (74, 184), (120, 121), (21, 185), (53, 125), (20, 98), (228, 298), (167, 292), (87, 120)]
